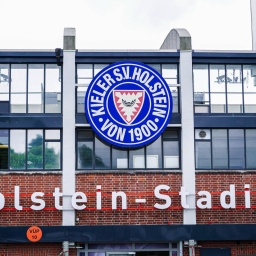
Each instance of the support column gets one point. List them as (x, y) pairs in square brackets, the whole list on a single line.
[(253, 23), (68, 170), (187, 139), (180, 39)]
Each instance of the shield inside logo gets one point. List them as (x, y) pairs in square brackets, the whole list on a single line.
[(128, 103)]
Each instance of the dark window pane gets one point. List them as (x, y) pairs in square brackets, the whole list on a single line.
[(154, 154), (171, 154), (4, 141), (102, 155), (119, 159), (52, 155), (17, 149), (170, 134), (137, 158), (4, 83), (219, 149), (203, 155), (236, 149), (85, 155), (152, 246), (250, 148), (35, 149)]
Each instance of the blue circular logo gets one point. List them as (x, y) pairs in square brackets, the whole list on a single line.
[(128, 104)]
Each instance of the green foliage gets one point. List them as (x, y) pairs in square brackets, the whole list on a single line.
[(35, 156), (86, 158)]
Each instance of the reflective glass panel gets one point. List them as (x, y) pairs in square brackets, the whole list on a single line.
[(171, 154), (217, 78), (17, 149), (98, 68), (102, 155), (236, 149), (4, 82), (52, 134), (218, 103), (18, 88), (201, 87), (203, 155), (249, 80), (156, 67), (250, 136), (234, 88), (35, 88), (169, 72), (109, 246), (52, 155), (154, 154), (152, 246), (175, 98), (52, 89), (4, 146), (219, 149), (85, 155), (84, 73), (119, 159), (35, 149), (137, 158)]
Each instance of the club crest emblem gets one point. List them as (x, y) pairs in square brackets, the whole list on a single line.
[(128, 104)]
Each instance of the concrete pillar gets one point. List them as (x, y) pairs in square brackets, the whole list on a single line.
[(180, 39), (253, 23), (68, 163)]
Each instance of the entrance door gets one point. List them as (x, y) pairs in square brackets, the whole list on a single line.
[(215, 252)]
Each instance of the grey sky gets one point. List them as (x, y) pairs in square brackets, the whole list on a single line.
[(125, 24)]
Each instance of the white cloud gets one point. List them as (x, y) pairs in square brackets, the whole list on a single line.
[(124, 24)]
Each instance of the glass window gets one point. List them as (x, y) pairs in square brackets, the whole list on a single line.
[(102, 155), (250, 142), (17, 149), (236, 149), (84, 77), (119, 159), (234, 89), (98, 68), (219, 149), (35, 149), (203, 155), (92, 153), (218, 88), (4, 142), (137, 158), (85, 155), (226, 149), (249, 81), (29, 149), (18, 88), (169, 73), (53, 89), (35, 88), (201, 88), (4, 82), (154, 154), (52, 155)]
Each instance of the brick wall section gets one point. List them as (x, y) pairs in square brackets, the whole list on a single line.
[(33, 249), (216, 183), (29, 183), (134, 185)]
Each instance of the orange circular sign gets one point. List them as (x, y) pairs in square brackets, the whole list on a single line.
[(34, 234)]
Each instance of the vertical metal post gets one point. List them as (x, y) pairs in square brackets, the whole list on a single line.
[(68, 172), (253, 23)]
